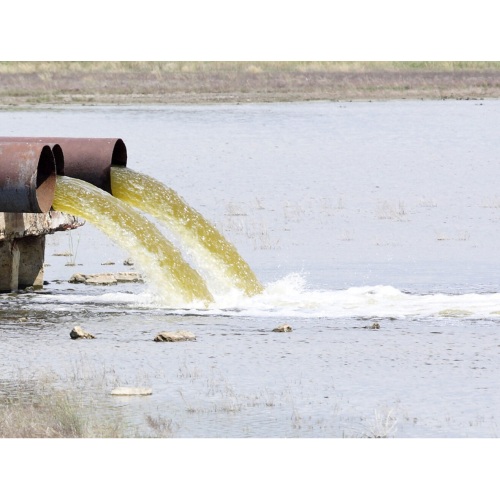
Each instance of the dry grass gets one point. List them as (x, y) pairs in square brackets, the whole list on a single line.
[(63, 67), (115, 82), (77, 406), (36, 412)]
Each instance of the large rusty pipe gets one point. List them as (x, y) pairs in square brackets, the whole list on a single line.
[(88, 159), (56, 149), (27, 176)]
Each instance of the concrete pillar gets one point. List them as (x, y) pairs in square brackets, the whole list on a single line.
[(9, 265), (31, 257), (21, 263), (22, 246)]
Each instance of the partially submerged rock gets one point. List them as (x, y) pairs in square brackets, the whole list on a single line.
[(178, 336), (77, 278), (100, 279), (106, 278), (283, 328), (132, 391), (79, 333), (127, 277)]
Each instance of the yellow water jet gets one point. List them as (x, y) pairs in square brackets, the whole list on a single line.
[(174, 279), (163, 203)]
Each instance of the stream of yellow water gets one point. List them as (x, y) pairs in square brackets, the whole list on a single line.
[(175, 281), (218, 256)]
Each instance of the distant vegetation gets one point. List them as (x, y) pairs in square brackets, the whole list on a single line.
[(134, 82), (243, 66)]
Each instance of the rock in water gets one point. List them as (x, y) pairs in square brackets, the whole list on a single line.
[(101, 279), (283, 328), (174, 336), (128, 277), (77, 278), (132, 391), (79, 333), (373, 326), (106, 278)]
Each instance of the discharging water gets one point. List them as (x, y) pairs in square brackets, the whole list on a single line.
[(174, 280), (226, 269), (350, 215)]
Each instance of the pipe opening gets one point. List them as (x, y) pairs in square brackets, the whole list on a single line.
[(59, 158), (88, 159), (119, 155), (46, 179)]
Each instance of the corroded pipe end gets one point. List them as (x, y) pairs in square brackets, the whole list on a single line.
[(88, 159), (46, 177), (56, 149), (27, 177), (58, 157)]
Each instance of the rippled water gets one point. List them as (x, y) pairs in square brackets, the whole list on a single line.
[(350, 214)]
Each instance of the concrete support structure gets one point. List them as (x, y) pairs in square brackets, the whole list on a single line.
[(22, 246), (28, 174)]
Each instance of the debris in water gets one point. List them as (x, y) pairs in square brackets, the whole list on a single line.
[(79, 333), (283, 328), (132, 391), (106, 278), (174, 336)]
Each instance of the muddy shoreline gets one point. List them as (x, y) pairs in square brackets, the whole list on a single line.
[(110, 87)]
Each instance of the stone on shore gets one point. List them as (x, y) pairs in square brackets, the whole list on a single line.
[(79, 333), (132, 391), (283, 328), (174, 336)]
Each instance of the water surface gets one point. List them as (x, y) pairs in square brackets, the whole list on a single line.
[(349, 214)]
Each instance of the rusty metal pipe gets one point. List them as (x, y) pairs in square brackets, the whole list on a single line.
[(56, 149), (27, 176), (88, 159)]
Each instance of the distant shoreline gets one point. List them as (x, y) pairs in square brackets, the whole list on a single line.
[(115, 83)]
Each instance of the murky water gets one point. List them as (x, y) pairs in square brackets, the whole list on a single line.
[(200, 238), (349, 214), (172, 277)]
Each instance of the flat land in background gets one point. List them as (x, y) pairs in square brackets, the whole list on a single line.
[(30, 83)]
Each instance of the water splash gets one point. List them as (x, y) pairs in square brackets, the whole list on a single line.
[(213, 252), (291, 297), (174, 280)]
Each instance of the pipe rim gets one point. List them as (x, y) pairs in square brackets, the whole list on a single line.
[(58, 158), (46, 179)]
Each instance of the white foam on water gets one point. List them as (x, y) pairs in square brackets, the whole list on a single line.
[(291, 297)]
